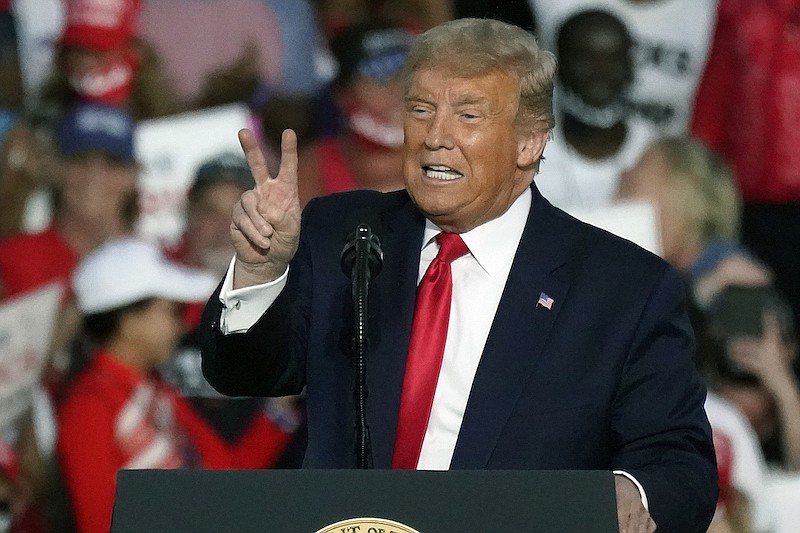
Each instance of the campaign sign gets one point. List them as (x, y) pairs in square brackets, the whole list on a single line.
[(170, 150), (26, 327)]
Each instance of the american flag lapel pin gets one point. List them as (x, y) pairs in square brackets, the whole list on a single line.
[(545, 301)]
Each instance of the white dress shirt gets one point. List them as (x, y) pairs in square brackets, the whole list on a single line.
[(478, 282)]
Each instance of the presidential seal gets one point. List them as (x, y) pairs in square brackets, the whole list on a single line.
[(367, 525)]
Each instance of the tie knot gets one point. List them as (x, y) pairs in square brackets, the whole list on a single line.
[(451, 247)]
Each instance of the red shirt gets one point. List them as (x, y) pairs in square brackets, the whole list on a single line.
[(31, 261), (748, 103), (335, 172), (115, 417)]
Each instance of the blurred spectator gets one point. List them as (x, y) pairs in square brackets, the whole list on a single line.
[(25, 160), (698, 215), (368, 93), (218, 183), (595, 137), (27, 166), (743, 506), (747, 110), (129, 296), (671, 42), (101, 60), (95, 200), (14, 187), (752, 367), (257, 430)]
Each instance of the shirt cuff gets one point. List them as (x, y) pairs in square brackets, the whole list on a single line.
[(638, 486), (241, 308)]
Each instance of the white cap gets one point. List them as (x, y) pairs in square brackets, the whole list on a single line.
[(124, 271)]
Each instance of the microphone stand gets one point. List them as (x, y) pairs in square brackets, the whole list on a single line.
[(363, 255)]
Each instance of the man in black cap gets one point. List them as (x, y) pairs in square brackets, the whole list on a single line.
[(368, 96)]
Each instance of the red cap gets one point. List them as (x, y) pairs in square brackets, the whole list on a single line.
[(100, 24)]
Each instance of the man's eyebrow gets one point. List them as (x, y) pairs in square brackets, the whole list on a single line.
[(416, 98), (467, 99), (471, 99)]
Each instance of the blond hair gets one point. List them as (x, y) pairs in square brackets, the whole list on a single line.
[(711, 201), (472, 47)]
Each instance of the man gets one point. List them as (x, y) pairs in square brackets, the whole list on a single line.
[(218, 183), (95, 200), (566, 347), (259, 432), (367, 152), (671, 42), (596, 137)]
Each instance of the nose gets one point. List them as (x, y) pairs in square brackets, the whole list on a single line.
[(438, 134)]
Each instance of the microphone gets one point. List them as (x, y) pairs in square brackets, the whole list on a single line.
[(362, 246), (361, 259)]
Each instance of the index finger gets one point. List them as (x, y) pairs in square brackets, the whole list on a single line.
[(255, 157), (287, 172)]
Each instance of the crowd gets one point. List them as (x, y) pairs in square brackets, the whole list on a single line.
[(688, 107)]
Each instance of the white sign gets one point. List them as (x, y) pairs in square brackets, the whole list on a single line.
[(634, 220), (26, 326), (39, 26), (170, 150)]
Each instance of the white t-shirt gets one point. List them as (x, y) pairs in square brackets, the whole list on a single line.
[(749, 469), (672, 39), (571, 181)]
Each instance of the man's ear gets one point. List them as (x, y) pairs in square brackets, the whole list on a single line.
[(530, 147)]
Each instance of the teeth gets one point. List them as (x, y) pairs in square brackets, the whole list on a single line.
[(441, 172)]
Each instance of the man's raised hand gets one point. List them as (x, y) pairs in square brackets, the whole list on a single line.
[(265, 226)]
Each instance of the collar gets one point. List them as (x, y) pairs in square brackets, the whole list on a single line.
[(493, 244)]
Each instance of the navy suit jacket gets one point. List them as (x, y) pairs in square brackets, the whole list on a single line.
[(604, 379)]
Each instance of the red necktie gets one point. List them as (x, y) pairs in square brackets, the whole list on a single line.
[(425, 351)]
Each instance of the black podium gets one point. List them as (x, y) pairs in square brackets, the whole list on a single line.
[(308, 501)]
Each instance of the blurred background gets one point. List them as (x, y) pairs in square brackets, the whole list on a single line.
[(676, 127)]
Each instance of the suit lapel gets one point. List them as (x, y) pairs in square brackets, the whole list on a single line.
[(519, 330), (392, 295)]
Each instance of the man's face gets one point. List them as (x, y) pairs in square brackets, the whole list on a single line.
[(598, 67), (97, 187), (465, 160), (381, 99), (208, 229)]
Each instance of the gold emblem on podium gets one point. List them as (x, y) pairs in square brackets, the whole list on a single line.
[(367, 525)]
